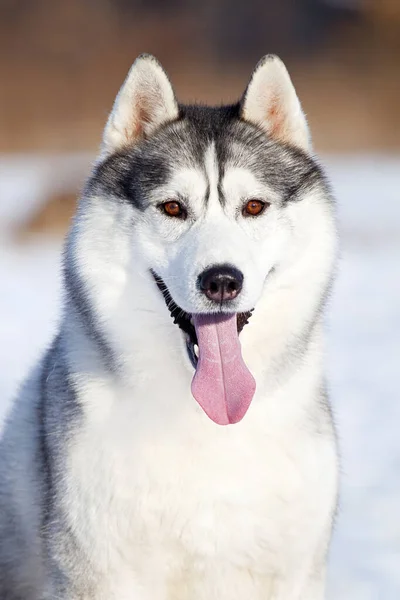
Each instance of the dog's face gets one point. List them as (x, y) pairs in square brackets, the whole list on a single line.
[(219, 199), (212, 192)]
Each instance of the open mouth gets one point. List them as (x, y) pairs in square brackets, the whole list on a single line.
[(222, 384), (186, 323)]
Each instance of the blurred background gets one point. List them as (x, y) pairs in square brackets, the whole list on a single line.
[(61, 64)]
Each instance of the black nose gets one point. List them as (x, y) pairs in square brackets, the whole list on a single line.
[(221, 283)]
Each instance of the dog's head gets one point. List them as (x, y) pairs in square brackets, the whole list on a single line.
[(220, 200)]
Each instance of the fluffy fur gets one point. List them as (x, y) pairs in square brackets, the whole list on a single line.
[(114, 484)]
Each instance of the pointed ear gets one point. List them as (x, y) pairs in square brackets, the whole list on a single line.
[(270, 101), (145, 101)]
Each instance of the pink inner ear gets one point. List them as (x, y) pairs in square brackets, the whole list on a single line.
[(275, 118), (135, 130), (143, 117)]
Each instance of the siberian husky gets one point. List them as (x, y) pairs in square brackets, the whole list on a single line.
[(176, 442)]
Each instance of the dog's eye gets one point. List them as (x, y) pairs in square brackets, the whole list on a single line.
[(253, 208), (172, 208)]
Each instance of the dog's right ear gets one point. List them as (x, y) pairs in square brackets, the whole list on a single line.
[(145, 101)]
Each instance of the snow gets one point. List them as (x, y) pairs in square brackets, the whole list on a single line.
[(364, 369), (364, 352), (26, 181)]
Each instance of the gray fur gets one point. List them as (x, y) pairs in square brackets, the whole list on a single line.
[(40, 558), (32, 453), (129, 175)]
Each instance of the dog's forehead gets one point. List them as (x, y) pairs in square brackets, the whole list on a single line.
[(209, 179), (209, 151), (215, 179), (227, 153)]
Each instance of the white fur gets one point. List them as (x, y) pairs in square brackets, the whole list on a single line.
[(191, 510)]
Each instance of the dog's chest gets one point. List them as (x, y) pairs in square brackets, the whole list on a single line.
[(247, 494), (221, 499)]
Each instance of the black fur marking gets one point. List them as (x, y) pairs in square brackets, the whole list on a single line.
[(131, 174), (128, 176), (209, 122), (44, 452), (79, 299)]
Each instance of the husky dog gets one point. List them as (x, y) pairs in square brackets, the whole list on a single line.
[(176, 442)]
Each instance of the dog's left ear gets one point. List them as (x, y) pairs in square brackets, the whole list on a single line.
[(145, 101), (270, 101)]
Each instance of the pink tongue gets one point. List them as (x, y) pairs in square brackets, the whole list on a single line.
[(222, 384)]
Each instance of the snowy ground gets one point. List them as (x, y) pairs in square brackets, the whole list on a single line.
[(364, 359)]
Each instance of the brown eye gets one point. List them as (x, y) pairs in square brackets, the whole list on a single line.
[(253, 208), (174, 209)]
